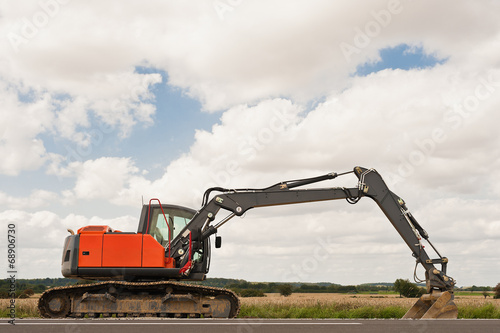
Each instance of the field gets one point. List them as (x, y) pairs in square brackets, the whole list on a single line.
[(320, 306), (355, 306)]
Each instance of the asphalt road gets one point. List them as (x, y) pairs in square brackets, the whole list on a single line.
[(247, 325)]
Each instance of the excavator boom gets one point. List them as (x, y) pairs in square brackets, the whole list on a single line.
[(370, 184)]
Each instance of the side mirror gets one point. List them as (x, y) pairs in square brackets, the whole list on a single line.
[(218, 242)]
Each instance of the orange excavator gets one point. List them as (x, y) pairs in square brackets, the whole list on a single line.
[(138, 273)]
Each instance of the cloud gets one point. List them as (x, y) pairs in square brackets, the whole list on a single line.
[(368, 124), (255, 52), (102, 178), (292, 107), (40, 238), (85, 71), (20, 147), (49, 224), (37, 199), (365, 125), (277, 139), (27, 116)]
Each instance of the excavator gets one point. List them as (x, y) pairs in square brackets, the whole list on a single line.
[(138, 273)]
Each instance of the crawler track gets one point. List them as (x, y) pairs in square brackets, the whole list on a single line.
[(138, 299)]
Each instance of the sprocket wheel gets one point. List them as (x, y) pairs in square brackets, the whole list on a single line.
[(56, 305)]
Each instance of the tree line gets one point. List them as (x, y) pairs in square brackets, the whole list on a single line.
[(27, 287)]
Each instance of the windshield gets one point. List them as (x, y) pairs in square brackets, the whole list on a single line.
[(174, 220)]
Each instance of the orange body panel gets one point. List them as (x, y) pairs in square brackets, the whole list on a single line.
[(94, 229), (101, 246), (90, 252), (169, 263), (122, 250), (153, 253)]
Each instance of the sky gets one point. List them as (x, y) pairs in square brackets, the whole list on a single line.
[(106, 104)]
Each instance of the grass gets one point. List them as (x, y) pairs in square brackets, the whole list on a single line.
[(487, 311), (25, 308), (325, 306), (356, 306), (321, 311), (318, 306), (472, 293)]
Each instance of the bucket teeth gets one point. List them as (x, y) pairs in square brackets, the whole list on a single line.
[(433, 306)]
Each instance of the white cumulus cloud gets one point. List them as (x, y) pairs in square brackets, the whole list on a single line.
[(283, 76)]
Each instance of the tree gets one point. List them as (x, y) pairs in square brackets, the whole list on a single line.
[(23, 295), (29, 292), (251, 293), (485, 292), (497, 291), (407, 289), (285, 289), (398, 286), (39, 288)]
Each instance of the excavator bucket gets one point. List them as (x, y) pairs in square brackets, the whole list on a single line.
[(433, 306)]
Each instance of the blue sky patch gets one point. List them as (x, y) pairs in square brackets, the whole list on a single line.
[(403, 57), (172, 133)]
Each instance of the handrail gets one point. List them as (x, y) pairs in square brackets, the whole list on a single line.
[(166, 221)]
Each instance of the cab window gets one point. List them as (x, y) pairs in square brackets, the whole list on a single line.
[(174, 220)]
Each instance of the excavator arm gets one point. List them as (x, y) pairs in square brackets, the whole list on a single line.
[(438, 303)]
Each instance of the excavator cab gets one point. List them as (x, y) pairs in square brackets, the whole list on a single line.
[(165, 222), (102, 253)]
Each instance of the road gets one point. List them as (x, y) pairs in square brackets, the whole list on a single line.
[(247, 325)]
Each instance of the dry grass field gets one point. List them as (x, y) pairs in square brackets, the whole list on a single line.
[(355, 306), (356, 300), (319, 306), (350, 300), (25, 308)]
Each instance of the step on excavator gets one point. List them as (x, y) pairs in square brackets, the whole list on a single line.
[(139, 273)]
